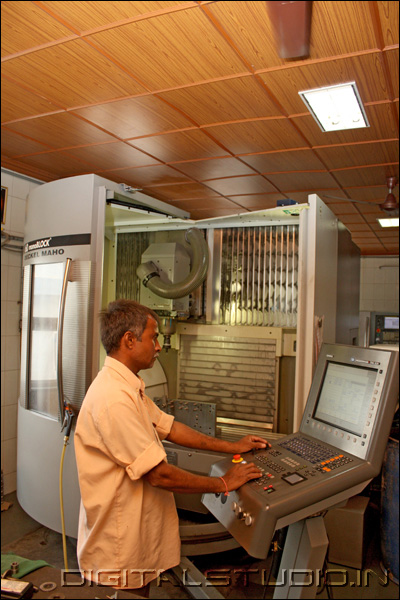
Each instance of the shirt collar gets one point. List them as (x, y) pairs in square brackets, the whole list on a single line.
[(135, 381)]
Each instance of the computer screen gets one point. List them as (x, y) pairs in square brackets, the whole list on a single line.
[(345, 396), (391, 323)]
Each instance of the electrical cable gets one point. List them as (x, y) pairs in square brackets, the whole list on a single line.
[(277, 551), (68, 419), (64, 540)]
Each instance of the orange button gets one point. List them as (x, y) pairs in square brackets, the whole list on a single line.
[(325, 469)]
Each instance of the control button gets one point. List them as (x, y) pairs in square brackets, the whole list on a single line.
[(237, 458), (239, 511), (248, 520)]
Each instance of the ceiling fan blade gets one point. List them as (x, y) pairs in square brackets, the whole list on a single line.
[(292, 24)]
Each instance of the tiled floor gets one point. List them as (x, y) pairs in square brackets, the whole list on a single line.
[(234, 574)]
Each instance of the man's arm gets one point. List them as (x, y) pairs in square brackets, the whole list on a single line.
[(172, 478), (186, 436)]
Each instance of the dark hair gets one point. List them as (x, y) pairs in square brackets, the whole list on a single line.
[(121, 316)]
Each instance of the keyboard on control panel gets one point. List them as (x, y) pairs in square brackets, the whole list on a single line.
[(315, 453)]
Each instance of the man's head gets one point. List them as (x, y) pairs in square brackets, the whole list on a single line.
[(129, 333)]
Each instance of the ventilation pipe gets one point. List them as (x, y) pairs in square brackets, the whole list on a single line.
[(149, 274)]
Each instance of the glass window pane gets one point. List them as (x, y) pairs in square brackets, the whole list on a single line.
[(46, 292)]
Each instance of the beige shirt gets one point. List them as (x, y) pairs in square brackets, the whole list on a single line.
[(128, 530)]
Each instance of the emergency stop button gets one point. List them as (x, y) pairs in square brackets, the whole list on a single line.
[(237, 458)]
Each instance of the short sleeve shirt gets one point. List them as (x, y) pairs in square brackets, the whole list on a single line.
[(128, 530)]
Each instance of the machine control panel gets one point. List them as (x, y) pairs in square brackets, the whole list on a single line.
[(337, 451), (386, 329), (296, 471)]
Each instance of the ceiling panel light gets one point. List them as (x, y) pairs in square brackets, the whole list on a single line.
[(336, 107), (389, 222)]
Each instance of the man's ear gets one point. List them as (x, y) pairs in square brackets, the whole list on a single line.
[(128, 340)]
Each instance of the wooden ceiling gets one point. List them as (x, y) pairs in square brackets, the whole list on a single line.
[(191, 103)]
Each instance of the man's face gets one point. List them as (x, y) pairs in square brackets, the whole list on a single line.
[(149, 347)]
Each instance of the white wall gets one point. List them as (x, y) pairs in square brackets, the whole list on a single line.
[(379, 284), (11, 288)]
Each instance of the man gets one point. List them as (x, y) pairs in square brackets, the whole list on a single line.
[(128, 523)]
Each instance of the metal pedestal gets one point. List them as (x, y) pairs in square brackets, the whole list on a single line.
[(194, 581), (302, 559)]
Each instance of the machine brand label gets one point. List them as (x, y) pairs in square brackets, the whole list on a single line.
[(36, 245), (50, 246)]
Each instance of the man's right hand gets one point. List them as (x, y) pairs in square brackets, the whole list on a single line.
[(240, 474)]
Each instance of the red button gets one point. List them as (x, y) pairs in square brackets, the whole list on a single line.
[(237, 458)]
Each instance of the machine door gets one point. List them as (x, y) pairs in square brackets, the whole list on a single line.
[(54, 336)]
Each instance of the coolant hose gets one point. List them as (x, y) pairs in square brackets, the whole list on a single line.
[(63, 534), (68, 419), (150, 276)]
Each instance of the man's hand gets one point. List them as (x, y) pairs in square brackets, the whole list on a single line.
[(249, 442), (240, 474)]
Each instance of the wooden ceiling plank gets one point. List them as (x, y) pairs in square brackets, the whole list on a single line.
[(222, 101), (135, 117), (165, 44), (17, 103), (109, 14), (69, 75), (61, 130), (214, 168), (389, 19), (173, 147), (356, 156), (25, 26)]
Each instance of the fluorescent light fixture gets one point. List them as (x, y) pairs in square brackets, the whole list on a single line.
[(389, 222), (336, 107)]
